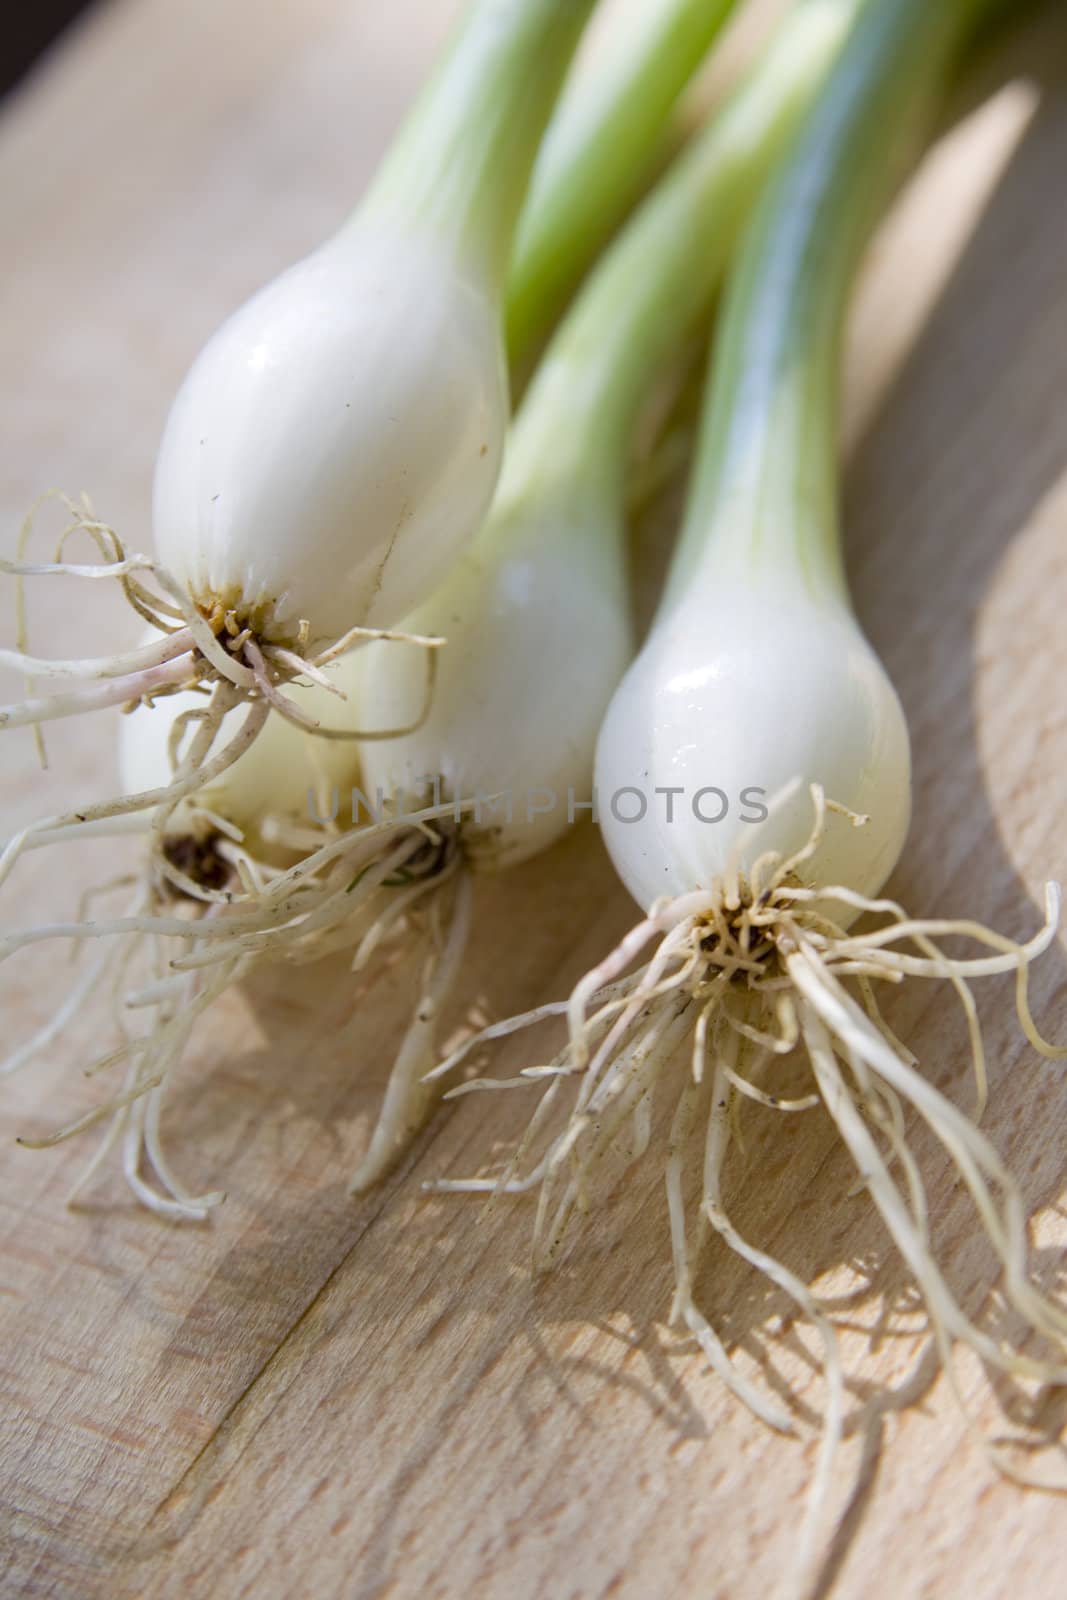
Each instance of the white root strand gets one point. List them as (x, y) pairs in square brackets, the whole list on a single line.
[(408, 1097)]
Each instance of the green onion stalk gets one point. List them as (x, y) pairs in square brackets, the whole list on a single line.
[(601, 145)]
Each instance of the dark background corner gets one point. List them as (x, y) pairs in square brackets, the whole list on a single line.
[(28, 32)]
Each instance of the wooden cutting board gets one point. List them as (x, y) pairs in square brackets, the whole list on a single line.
[(313, 1396)]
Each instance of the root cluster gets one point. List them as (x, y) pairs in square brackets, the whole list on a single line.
[(741, 978)]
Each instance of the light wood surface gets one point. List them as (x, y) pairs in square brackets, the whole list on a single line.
[(314, 1396)]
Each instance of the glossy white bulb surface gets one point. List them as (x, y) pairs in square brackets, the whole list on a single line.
[(337, 442), (737, 693), (538, 631)]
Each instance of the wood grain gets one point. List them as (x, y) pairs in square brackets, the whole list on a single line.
[(314, 1396)]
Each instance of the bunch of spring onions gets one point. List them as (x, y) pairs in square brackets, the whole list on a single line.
[(486, 585), (547, 568)]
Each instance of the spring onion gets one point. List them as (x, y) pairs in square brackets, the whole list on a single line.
[(218, 849), (337, 441), (753, 777)]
